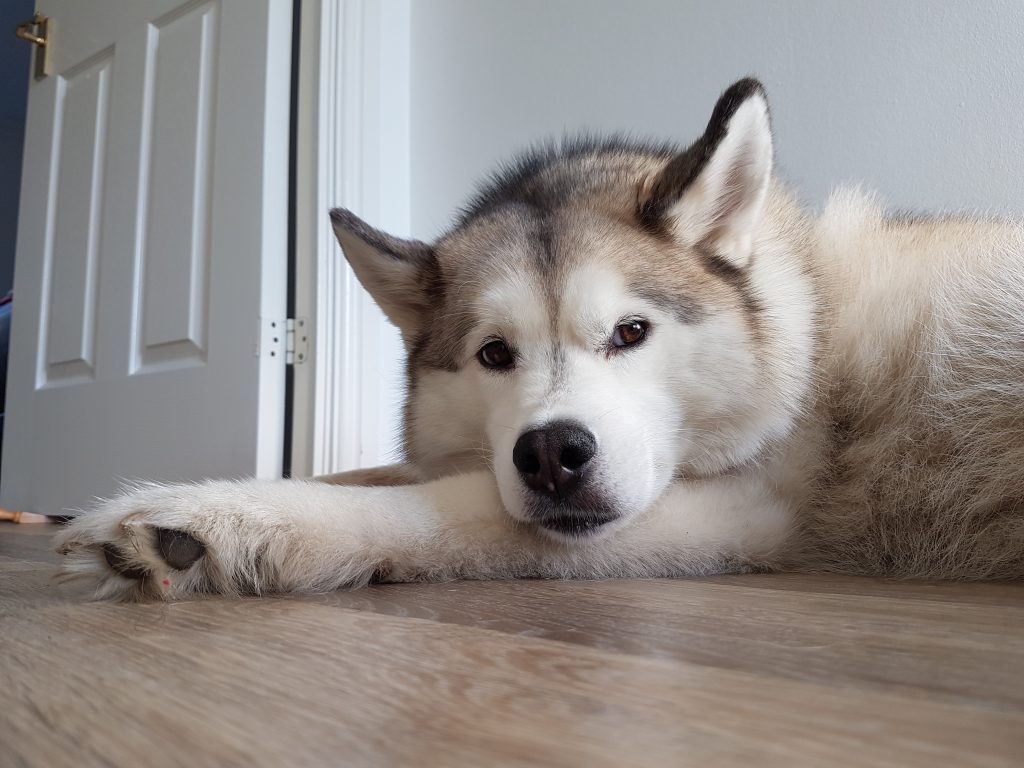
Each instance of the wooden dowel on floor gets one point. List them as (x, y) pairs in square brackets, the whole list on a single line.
[(22, 517)]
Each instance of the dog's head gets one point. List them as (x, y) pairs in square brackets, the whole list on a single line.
[(594, 324)]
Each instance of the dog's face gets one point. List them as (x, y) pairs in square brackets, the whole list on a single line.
[(587, 328), (586, 358)]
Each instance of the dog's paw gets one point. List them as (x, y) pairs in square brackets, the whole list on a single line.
[(247, 537), (166, 542)]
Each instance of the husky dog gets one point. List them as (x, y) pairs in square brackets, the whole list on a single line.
[(637, 360)]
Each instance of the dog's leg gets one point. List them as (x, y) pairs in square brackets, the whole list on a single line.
[(300, 536)]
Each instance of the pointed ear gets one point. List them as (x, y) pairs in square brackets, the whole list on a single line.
[(713, 194), (394, 271)]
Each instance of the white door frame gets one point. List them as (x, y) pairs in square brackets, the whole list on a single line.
[(352, 151)]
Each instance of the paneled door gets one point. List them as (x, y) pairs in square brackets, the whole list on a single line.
[(151, 266)]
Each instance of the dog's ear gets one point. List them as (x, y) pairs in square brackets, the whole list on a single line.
[(394, 271), (713, 194)]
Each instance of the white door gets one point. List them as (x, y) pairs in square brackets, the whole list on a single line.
[(151, 250)]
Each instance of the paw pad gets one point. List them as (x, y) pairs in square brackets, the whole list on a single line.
[(178, 549)]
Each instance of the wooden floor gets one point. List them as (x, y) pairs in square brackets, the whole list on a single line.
[(763, 670)]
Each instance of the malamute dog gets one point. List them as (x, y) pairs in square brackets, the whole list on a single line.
[(629, 359)]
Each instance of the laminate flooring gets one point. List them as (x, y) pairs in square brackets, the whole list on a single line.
[(761, 670)]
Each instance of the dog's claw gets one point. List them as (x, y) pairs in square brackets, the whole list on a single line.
[(121, 565)]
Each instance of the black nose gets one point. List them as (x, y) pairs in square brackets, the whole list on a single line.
[(553, 459)]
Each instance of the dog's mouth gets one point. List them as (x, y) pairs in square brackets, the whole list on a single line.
[(576, 525), (586, 515)]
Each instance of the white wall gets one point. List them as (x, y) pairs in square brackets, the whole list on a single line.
[(922, 99)]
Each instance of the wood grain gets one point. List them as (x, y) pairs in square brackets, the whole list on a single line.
[(772, 670)]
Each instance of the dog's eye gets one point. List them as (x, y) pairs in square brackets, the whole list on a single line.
[(629, 334), (495, 354)]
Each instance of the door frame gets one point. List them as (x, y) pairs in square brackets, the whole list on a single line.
[(352, 150)]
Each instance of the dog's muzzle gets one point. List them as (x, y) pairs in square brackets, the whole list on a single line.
[(553, 463)]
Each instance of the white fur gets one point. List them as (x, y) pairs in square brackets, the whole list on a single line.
[(616, 398)]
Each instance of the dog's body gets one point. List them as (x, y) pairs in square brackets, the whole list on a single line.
[(628, 360)]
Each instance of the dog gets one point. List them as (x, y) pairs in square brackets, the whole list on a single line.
[(637, 360)]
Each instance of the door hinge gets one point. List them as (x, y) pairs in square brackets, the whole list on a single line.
[(296, 341), (284, 338)]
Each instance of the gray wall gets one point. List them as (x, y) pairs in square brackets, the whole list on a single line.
[(922, 99)]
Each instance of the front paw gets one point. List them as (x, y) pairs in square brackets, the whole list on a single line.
[(164, 542), (248, 537)]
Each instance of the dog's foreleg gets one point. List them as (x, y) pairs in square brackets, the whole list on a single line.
[(292, 536)]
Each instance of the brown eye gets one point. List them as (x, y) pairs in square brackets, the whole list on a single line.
[(495, 354), (629, 333)]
